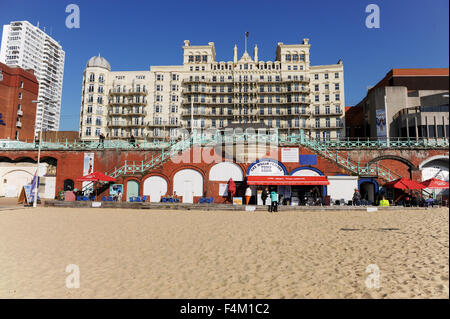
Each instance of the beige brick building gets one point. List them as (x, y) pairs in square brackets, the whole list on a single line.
[(286, 93)]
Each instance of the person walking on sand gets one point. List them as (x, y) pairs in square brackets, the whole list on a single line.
[(273, 201), (264, 195)]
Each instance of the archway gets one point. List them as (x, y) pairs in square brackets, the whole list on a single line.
[(188, 183), (399, 165), (436, 167), (155, 187), (222, 172), (309, 171), (132, 189), (68, 185), (368, 188), (11, 183)]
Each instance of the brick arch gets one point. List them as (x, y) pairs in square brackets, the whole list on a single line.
[(395, 158)]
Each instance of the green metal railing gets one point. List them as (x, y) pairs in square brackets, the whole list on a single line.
[(293, 139)]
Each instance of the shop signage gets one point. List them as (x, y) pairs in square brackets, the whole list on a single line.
[(266, 168)]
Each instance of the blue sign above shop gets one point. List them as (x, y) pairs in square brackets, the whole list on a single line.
[(308, 159)]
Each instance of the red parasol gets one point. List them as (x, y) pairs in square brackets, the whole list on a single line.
[(96, 177), (404, 183), (231, 187), (434, 183)]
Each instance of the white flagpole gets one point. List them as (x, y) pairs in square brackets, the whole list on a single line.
[(245, 35)]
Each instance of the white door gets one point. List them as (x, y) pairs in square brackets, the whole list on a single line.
[(188, 194), (155, 187)]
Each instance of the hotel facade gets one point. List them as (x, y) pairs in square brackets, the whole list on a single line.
[(288, 94)]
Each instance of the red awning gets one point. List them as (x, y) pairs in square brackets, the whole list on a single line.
[(287, 180)]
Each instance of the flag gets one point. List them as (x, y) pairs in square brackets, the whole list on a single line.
[(247, 33), (34, 184)]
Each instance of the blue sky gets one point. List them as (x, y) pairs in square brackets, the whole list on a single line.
[(132, 35)]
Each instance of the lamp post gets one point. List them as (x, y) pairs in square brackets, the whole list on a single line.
[(39, 154)]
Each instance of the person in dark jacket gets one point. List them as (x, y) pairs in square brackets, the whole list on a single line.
[(264, 195), (356, 198)]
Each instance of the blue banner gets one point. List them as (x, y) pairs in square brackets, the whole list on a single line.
[(308, 159)]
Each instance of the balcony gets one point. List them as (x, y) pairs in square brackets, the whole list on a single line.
[(329, 113), (328, 127), (117, 124)]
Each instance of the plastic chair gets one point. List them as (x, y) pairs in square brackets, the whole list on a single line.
[(131, 199), (164, 200), (110, 199), (85, 198), (144, 199), (171, 200), (104, 199), (94, 198), (78, 197), (211, 200)]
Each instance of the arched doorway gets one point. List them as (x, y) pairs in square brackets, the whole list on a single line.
[(155, 187), (188, 183), (68, 185), (436, 167), (132, 189), (368, 188)]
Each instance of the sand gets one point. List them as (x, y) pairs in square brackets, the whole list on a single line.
[(173, 254)]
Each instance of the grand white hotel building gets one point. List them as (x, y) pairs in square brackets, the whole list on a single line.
[(287, 93)]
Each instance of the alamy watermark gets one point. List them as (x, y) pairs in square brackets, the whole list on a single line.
[(373, 19), (73, 19), (73, 279), (373, 279)]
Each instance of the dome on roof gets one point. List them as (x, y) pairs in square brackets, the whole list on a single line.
[(98, 61)]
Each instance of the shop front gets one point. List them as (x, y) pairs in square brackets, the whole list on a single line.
[(305, 185)]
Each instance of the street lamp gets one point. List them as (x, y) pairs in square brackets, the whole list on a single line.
[(39, 153)]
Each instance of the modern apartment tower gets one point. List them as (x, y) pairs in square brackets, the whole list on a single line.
[(287, 94), (28, 47)]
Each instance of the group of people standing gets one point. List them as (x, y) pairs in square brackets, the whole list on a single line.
[(273, 195)]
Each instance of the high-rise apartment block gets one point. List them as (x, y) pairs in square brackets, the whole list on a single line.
[(29, 47), (287, 94)]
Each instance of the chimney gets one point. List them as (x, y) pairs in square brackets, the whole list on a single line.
[(235, 54), (255, 53)]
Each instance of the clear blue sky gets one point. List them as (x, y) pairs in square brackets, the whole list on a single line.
[(132, 35)]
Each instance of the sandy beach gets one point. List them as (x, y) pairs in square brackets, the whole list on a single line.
[(174, 254)]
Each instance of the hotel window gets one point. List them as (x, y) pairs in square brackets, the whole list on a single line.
[(269, 99), (327, 87), (295, 57), (214, 78), (99, 100), (91, 88), (261, 110), (296, 109), (197, 68), (269, 122), (278, 122), (288, 57), (327, 109), (191, 58), (261, 88), (316, 76), (336, 86), (159, 77), (221, 123), (269, 78), (21, 84), (222, 89), (98, 121), (159, 88), (222, 79), (261, 99), (289, 110), (213, 123), (303, 122), (230, 110), (338, 135), (174, 87), (336, 75), (90, 98), (277, 88), (277, 78), (89, 120), (89, 109), (338, 109), (317, 110), (197, 58), (317, 123), (338, 122), (278, 110), (269, 88), (91, 78), (100, 89), (296, 122), (294, 67), (88, 131), (316, 87), (302, 57), (204, 58), (230, 89), (269, 110), (326, 76), (303, 109), (337, 97), (327, 97), (327, 122), (316, 98), (101, 78)]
